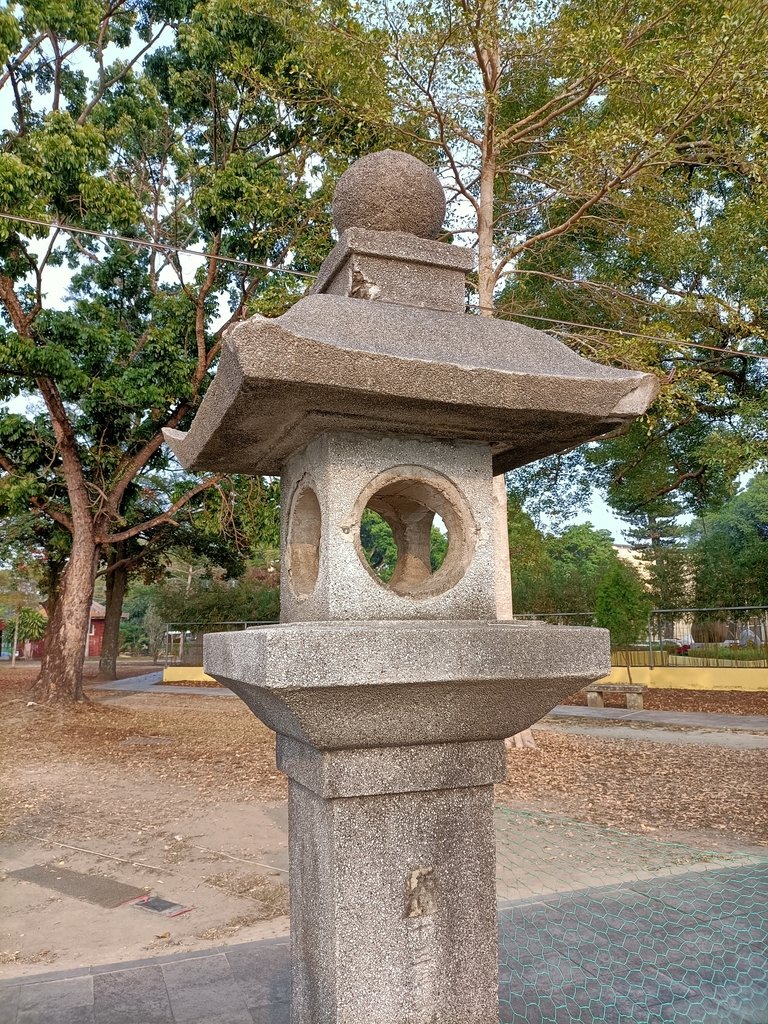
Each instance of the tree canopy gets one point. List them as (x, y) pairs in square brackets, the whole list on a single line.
[(730, 550), (195, 126), (556, 572), (607, 161)]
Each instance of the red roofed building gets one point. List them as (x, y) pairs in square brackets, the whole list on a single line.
[(95, 636)]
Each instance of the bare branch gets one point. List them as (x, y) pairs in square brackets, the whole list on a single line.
[(104, 86), (165, 517)]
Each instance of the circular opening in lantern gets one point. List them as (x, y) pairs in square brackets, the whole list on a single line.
[(416, 535)]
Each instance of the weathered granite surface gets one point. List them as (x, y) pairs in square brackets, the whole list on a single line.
[(404, 769), (386, 265), (397, 919), (334, 363), (406, 480), (390, 191), (381, 344), (369, 684)]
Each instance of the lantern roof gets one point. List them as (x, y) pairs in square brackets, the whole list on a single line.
[(383, 345)]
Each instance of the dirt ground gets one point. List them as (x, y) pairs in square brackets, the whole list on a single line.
[(179, 795), (719, 702), (678, 792)]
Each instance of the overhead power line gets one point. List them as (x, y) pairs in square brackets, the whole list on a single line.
[(147, 243), (496, 313)]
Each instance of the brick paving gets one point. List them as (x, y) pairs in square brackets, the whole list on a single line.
[(688, 949)]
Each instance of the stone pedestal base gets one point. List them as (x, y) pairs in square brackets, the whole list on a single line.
[(393, 895)]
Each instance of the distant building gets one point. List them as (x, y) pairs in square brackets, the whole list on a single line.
[(95, 636), (634, 557)]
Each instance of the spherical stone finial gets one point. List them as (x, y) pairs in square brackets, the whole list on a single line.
[(390, 191)]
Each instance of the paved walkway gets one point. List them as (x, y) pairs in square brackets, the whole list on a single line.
[(151, 683), (703, 720), (684, 719), (731, 739), (690, 949)]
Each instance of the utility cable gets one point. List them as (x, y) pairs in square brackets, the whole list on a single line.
[(494, 311)]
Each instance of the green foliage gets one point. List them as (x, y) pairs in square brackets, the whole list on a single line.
[(19, 579), (215, 125), (378, 543), (730, 550), (610, 160), (581, 557), (719, 652), (212, 125), (556, 572), (144, 630), (210, 601), (438, 548), (530, 563), (660, 542), (32, 625), (622, 605)]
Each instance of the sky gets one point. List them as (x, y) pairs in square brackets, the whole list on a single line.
[(602, 517)]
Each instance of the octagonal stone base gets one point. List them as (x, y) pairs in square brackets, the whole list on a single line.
[(392, 683)]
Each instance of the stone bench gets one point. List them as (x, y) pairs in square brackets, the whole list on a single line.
[(633, 694)]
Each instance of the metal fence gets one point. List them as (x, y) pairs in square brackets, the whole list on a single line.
[(732, 637), (184, 640), (727, 637), (560, 618)]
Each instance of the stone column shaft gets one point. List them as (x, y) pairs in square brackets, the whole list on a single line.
[(393, 894)]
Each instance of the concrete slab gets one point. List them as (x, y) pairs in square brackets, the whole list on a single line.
[(94, 888)]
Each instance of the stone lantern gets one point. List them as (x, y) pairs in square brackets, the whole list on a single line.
[(391, 701)]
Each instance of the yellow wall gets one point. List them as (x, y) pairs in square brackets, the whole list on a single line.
[(184, 672), (751, 679)]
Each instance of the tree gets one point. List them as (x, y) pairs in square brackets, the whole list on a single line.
[(215, 601), (558, 571), (29, 627), (548, 116), (660, 541), (581, 557), (19, 600), (608, 162), (223, 526), (530, 562), (622, 606), (182, 126), (154, 628), (730, 550)]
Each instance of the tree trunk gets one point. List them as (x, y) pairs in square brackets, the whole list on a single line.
[(485, 214), (489, 61), (117, 583), (61, 674), (15, 637), (629, 670)]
